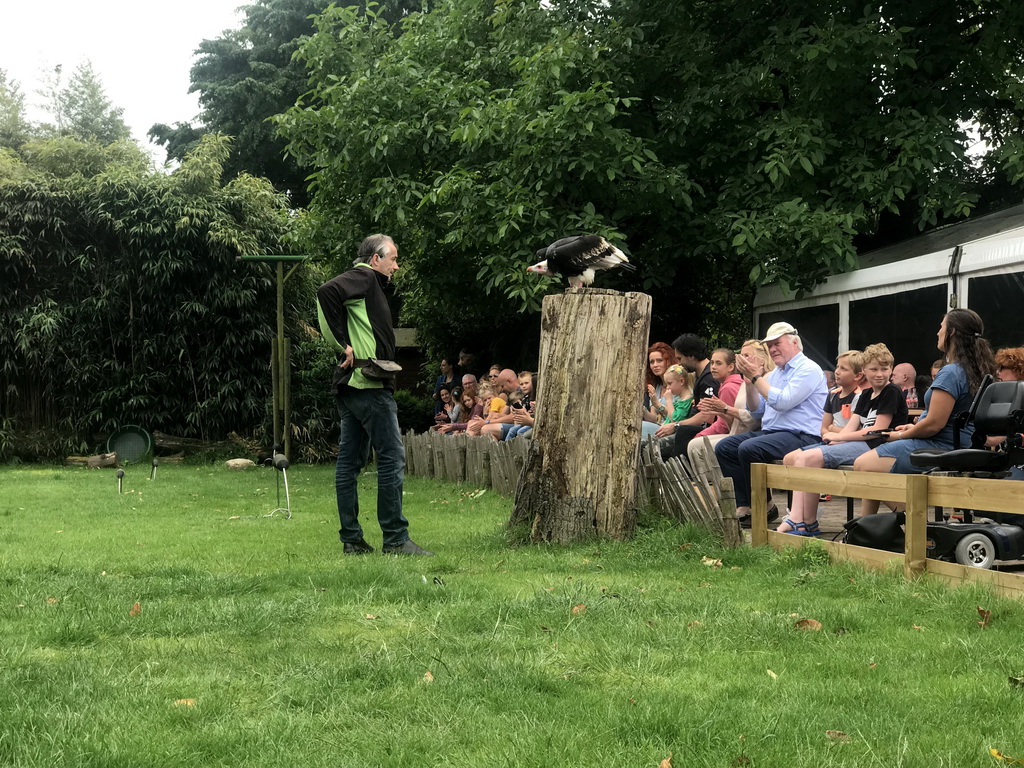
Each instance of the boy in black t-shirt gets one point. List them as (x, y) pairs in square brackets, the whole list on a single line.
[(880, 407), (883, 406), (849, 382)]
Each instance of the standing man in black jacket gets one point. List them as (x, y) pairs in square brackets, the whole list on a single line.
[(355, 317)]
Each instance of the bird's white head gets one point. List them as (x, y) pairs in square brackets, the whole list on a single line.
[(540, 268)]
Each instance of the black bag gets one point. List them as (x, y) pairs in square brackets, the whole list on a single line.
[(881, 531), (379, 370)]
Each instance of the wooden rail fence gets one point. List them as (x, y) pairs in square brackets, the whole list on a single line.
[(701, 495), (918, 492)]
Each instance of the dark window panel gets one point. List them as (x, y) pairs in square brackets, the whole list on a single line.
[(905, 322), (999, 299), (818, 327)]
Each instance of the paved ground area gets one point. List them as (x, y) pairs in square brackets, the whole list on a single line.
[(831, 514)]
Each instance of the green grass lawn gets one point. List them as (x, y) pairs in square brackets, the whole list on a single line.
[(256, 643)]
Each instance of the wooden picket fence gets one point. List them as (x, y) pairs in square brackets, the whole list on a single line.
[(917, 492), (674, 488), (690, 494), (477, 461)]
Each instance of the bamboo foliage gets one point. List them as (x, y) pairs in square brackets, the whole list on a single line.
[(124, 300)]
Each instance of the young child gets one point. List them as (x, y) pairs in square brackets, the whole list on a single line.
[(679, 391), (493, 404), (847, 382), (523, 416), (470, 411), (841, 402), (679, 383), (880, 407)]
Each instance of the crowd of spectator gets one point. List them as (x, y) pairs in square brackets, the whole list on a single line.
[(500, 405), (767, 402), (770, 402)]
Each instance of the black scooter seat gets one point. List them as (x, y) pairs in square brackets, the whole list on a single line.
[(962, 460)]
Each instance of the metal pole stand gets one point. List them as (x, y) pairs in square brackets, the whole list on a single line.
[(280, 463)]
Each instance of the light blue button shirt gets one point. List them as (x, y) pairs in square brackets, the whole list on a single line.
[(796, 398)]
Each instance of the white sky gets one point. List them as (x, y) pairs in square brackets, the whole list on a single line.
[(141, 50)]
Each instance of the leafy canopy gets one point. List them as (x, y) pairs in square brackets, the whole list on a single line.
[(728, 144), (247, 75), (80, 108), (14, 126)]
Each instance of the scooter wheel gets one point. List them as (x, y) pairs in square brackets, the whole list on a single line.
[(976, 550)]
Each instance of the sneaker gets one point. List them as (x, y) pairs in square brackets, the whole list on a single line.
[(409, 547), (825, 497), (357, 547)]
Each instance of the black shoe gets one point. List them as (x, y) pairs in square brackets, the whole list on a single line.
[(357, 547), (410, 547), (773, 515)]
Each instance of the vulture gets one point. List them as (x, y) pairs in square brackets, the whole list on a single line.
[(578, 258)]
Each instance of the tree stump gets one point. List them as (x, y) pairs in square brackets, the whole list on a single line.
[(580, 476)]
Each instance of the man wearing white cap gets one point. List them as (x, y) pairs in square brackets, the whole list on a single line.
[(789, 401)]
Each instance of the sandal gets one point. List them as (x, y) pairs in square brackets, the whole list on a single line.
[(795, 528), (811, 529)]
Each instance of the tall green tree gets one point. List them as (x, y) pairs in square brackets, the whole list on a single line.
[(477, 136), (88, 112), (247, 75), (727, 144), (80, 107)]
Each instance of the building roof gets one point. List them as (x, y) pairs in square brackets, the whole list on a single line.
[(947, 237)]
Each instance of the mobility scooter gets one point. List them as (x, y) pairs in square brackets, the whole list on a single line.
[(998, 409)]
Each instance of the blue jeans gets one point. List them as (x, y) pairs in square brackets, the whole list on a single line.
[(512, 431), (369, 417), (737, 452)]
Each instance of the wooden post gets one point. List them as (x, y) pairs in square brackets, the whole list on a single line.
[(758, 504), (426, 460), (915, 544), (410, 465), (580, 478), (275, 379), (484, 472), (286, 397), (280, 427), (731, 532), (500, 460), (437, 451)]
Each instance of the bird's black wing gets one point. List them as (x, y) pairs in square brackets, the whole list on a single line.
[(548, 252), (574, 255)]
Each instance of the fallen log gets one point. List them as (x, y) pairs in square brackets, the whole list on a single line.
[(190, 445), (93, 462)]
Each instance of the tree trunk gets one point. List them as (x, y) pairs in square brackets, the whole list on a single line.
[(580, 476)]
